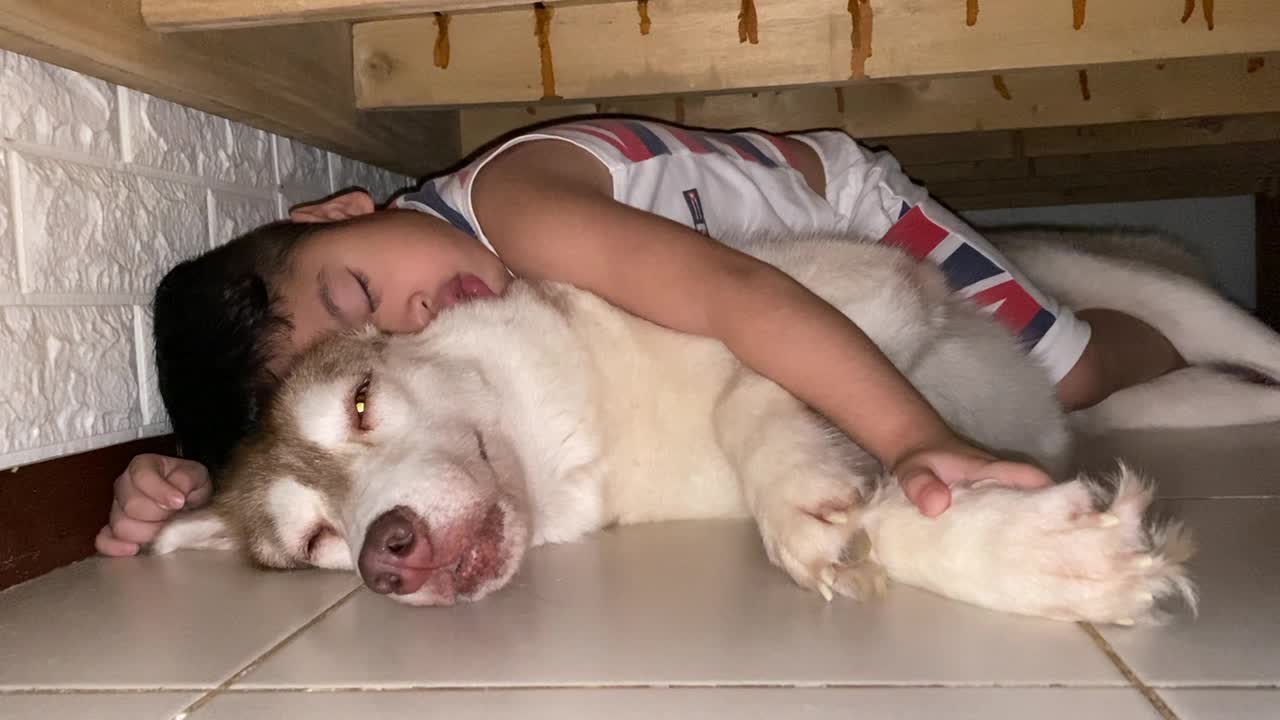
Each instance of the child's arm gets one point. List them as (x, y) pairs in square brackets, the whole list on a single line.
[(548, 209)]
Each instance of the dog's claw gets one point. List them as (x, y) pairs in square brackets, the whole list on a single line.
[(1107, 520), (836, 517), (1125, 622), (825, 589)]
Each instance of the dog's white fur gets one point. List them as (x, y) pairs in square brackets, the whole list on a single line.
[(570, 415)]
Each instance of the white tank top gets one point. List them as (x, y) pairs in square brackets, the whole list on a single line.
[(714, 182)]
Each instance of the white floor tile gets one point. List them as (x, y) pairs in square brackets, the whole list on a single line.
[(677, 603), (1212, 462), (180, 621), (1224, 704), (94, 706), (709, 703), (1236, 640)]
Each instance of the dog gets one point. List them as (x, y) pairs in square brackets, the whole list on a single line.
[(431, 463)]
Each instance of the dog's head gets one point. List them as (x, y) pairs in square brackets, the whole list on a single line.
[(377, 455)]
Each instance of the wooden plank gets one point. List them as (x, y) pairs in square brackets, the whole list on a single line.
[(928, 173), (1168, 158), (182, 15), (1120, 93), (292, 81), (1189, 132), (596, 50), (1101, 187), (950, 148)]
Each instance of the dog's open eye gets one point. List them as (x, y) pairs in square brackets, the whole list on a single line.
[(359, 403)]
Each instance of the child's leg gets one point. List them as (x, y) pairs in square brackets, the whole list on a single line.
[(1088, 355), (1122, 351)]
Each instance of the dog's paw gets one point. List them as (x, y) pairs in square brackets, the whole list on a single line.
[(1083, 551), (812, 529)]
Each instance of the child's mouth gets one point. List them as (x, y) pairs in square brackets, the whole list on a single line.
[(461, 288)]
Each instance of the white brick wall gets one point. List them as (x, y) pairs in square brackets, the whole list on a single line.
[(102, 189)]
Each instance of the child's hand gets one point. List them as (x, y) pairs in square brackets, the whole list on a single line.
[(149, 491), (926, 474)]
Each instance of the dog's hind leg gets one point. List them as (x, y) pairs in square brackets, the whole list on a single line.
[(800, 482), (1187, 398)]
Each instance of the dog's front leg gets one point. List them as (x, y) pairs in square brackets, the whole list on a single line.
[(1074, 551), (798, 480)]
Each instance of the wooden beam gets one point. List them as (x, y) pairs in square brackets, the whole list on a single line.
[(1134, 187), (179, 15), (1186, 132), (597, 50), (1177, 89), (1091, 187), (291, 81)]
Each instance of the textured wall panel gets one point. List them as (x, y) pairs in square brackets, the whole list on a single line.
[(152, 406), (115, 188), (8, 246), (380, 183), (68, 375), (291, 195), (234, 215), (93, 230), (181, 140), (245, 159), (47, 105), (302, 166)]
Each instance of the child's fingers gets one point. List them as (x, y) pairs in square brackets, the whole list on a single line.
[(146, 475), (199, 496), (142, 507), (108, 544), (190, 478), (156, 488), (130, 530), (1015, 475), (929, 494)]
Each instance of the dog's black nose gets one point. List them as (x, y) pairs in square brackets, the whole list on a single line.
[(396, 544)]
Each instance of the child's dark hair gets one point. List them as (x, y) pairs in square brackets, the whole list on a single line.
[(217, 322)]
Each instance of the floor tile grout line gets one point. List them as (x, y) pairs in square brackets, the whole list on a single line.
[(1147, 691), (254, 663), (334, 689), (638, 686), (171, 690), (250, 690), (851, 685)]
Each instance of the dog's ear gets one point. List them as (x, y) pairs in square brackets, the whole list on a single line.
[(194, 530)]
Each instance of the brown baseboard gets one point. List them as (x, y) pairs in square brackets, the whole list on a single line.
[(51, 511)]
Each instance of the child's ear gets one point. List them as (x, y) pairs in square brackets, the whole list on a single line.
[(343, 206), (194, 530)]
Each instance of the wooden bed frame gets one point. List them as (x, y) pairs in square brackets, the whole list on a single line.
[(992, 103)]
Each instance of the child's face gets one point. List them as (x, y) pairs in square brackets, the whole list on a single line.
[(394, 269)]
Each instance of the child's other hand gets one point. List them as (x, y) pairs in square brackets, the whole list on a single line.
[(149, 491), (928, 473)]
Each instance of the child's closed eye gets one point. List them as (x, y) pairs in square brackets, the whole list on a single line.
[(370, 296)]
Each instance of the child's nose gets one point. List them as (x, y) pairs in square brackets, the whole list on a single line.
[(418, 314)]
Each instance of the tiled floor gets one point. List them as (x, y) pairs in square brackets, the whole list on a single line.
[(675, 620)]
